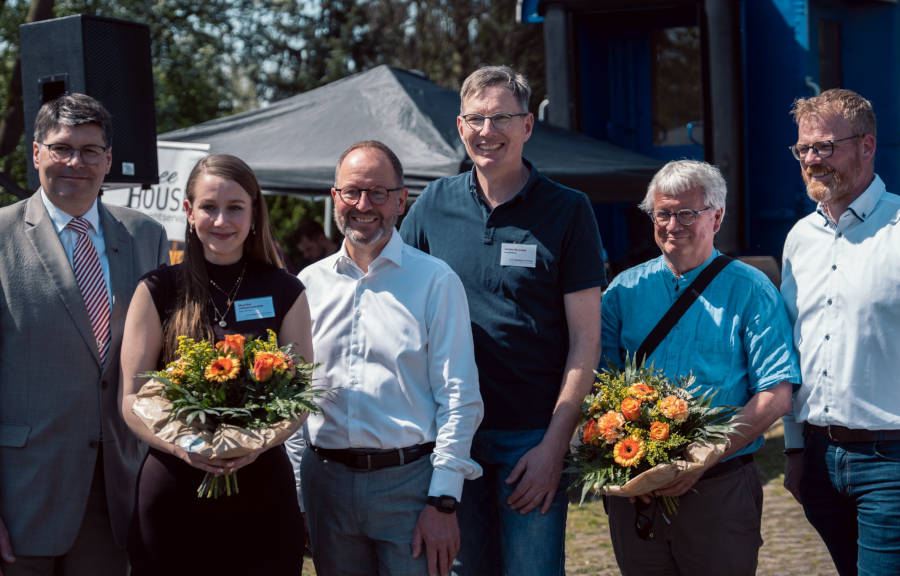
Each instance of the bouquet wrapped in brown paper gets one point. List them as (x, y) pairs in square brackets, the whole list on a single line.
[(640, 431), (226, 400)]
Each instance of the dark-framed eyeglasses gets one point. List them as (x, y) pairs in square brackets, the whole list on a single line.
[(822, 149), (378, 195), (91, 154), (500, 120), (685, 216)]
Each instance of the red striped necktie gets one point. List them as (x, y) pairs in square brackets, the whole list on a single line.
[(90, 280)]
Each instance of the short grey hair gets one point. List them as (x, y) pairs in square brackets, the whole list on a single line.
[(503, 76), (72, 110), (682, 175)]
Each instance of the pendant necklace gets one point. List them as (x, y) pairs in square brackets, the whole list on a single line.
[(229, 297)]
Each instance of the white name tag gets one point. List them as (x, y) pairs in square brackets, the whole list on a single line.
[(254, 309), (524, 255)]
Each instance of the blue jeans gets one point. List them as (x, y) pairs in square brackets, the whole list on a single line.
[(497, 540), (851, 495)]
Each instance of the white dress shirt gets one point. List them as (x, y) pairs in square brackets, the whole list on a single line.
[(69, 237), (841, 286), (397, 359)]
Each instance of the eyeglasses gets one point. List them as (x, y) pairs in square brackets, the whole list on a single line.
[(500, 120), (378, 195), (822, 149), (643, 524), (685, 216), (91, 154)]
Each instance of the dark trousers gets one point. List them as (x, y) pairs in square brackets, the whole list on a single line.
[(716, 531)]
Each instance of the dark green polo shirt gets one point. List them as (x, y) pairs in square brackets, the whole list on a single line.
[(516, 263)]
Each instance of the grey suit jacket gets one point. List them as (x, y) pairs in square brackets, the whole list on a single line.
[(56, 400)]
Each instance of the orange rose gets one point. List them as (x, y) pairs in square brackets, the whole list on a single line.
[(267, 363), (628, 452), (591, 433), (631, 408), (222, 369), (659, 431), (232, 343), (643, 392), (610, 426), (263, 366), (674, 408)]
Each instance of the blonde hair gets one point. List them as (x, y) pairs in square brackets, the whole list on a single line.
[(837, 101)]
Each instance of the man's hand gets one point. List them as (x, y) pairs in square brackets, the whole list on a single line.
[(793, 472), (6, 551), (537, 472), (680, 485), (439, 533)]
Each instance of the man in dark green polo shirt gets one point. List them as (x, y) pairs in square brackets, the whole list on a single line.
[(529, 254)]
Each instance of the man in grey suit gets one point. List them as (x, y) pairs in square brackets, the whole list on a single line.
[(68, 268)]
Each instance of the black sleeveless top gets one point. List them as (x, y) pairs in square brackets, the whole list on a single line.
[(262, 299)]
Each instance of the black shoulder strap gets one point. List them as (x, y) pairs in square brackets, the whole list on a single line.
[(671, 317)]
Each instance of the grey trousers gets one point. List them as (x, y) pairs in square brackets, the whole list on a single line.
[(94, 552), (715, 532)]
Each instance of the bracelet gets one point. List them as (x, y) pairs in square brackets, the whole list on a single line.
[(789, 451)]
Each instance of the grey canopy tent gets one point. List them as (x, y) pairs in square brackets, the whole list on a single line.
[(293, 144)]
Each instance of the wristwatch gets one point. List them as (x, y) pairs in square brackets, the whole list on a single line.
[(445, 504)]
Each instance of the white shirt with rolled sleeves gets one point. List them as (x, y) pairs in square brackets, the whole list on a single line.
[(397, 359), (841, 286)]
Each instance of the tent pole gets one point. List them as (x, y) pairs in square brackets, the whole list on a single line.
[(326, 217)]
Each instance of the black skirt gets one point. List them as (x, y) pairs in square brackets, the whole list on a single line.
[(258, 531)]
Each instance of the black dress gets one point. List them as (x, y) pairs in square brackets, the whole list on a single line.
[(258, 531)]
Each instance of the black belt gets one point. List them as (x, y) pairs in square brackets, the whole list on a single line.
[(841, 435), (727, 466), (371, 459)]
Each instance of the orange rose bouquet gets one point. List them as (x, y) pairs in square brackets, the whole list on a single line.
[(640, 430), (225, 400)]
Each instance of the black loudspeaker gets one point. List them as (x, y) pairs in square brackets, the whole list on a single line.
[(109, 60)]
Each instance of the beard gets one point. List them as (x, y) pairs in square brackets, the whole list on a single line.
[(357, 237), (841, 186)]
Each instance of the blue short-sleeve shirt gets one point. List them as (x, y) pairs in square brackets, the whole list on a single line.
[(552, 247), (736, 338)]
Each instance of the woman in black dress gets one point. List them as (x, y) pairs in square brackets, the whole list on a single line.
[(230, 266)]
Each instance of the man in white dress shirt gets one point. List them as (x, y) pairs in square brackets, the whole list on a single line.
[(388, 455), (841, 285)]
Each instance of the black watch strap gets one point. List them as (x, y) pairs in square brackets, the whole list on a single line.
[(445, 504)]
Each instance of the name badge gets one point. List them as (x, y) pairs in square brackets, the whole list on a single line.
[(254, 309), (523, 255)]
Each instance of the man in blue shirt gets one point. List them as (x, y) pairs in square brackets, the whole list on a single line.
[(736, 340), (529, 254)]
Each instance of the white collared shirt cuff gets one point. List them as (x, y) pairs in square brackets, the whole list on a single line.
[(793, 432), (446, 483)]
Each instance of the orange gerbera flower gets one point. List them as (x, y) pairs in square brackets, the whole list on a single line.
[(232, 343), (591, 433), (643, 392), (610, 426), (222, 369), (674, 408), (659, 431), (629, 451), (631, 408)]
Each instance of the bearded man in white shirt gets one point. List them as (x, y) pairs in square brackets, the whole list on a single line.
[(841, 285), (387, 457)]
